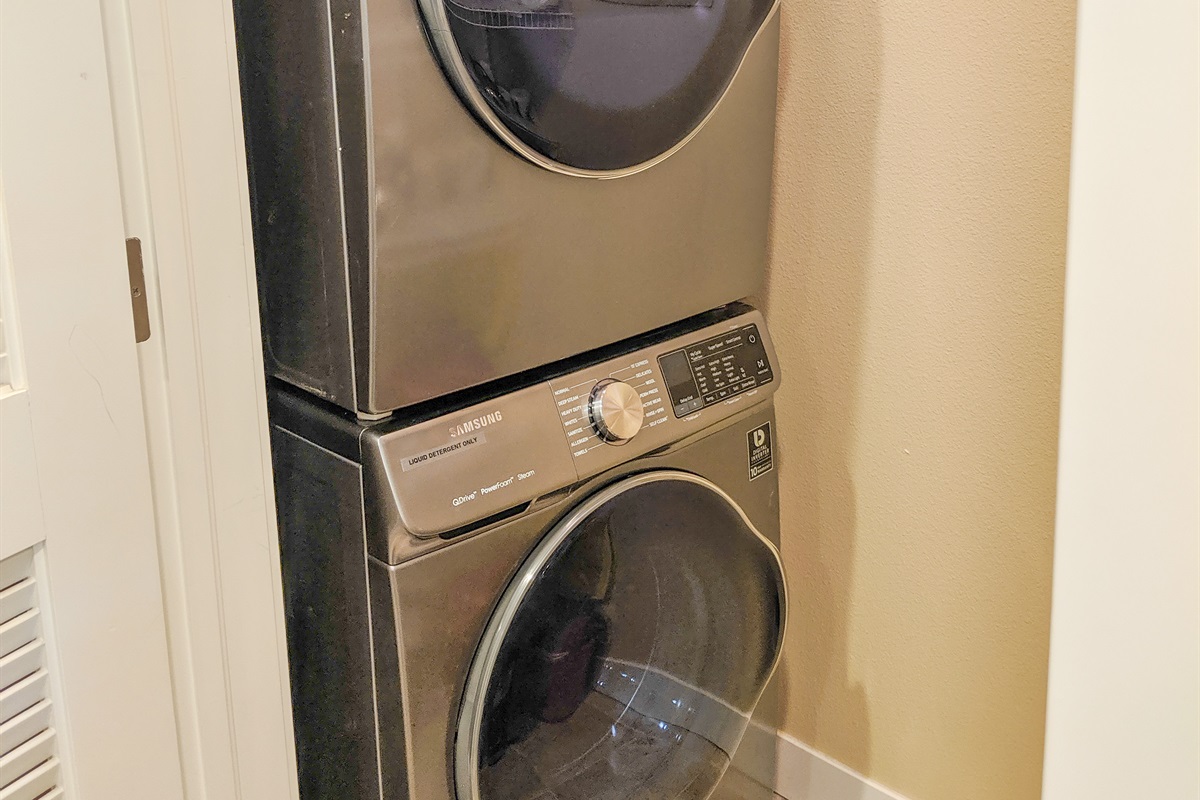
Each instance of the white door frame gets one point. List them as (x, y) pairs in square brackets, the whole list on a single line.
[(1123, 706), (179, 134)]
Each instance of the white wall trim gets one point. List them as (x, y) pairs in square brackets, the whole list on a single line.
[(798, 772)]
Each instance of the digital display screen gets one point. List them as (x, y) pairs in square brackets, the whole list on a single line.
[(715, 369), (677, 372)]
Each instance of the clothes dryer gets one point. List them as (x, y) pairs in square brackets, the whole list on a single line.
[(569, 590), (447, 192)]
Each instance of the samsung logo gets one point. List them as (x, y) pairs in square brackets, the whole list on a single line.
[(475, 424)]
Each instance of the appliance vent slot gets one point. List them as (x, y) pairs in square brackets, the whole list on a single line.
[(29, 762)]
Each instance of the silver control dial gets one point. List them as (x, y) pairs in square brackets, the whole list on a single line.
[(616, 410)]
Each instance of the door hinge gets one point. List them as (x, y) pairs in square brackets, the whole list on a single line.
[(137, 290)]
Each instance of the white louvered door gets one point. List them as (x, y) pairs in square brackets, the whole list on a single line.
[(86, 701), (29, 757)]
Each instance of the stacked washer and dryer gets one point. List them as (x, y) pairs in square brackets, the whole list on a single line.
[(522, 426)]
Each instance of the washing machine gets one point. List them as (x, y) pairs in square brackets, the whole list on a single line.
[(449, 192), (565, 589)]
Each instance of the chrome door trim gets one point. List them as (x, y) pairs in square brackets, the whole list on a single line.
[(438, 26), (470, 724)]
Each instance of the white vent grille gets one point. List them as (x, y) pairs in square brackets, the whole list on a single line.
[(29, 765)]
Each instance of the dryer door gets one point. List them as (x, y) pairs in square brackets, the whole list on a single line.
[(625, 659), (593, 87)]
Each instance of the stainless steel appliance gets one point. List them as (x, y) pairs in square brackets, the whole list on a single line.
[(446, 192), (570, 589)]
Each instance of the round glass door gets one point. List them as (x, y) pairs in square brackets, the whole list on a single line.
[(625, 660), (593, 87)]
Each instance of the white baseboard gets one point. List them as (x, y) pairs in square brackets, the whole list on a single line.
[(797, 772)]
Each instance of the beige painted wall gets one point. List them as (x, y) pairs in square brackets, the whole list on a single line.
[(915, 297)]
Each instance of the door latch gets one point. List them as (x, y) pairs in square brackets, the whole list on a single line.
[(137, 290)]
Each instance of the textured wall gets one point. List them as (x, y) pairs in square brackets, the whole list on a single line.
[(915, 296)]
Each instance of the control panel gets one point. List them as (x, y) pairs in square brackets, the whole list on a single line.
[(716, 369), (490, 458)]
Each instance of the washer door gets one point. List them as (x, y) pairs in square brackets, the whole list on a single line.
[(625, 659), (593, 87)]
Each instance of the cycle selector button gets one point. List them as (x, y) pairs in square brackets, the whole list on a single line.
[(616, 411)]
